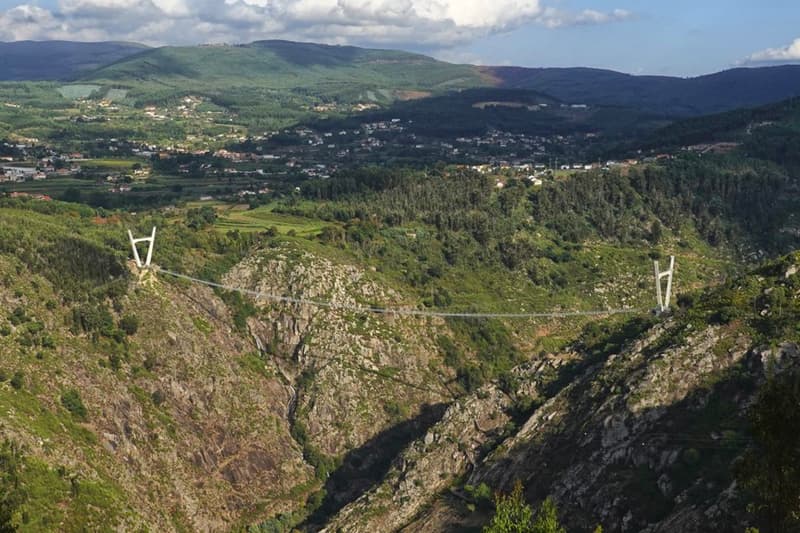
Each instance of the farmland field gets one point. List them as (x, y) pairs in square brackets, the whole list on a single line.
[(116, 94), (110, 164), (261, 219), (73, 92)]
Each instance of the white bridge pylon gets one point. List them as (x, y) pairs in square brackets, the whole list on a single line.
[(151, 240), (663, 301)]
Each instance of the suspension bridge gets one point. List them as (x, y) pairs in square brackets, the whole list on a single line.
[(662, 297)]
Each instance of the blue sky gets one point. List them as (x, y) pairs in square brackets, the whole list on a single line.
[(679, 37)]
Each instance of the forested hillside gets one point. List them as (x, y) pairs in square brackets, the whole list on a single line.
[(247, 76), (768, 132)]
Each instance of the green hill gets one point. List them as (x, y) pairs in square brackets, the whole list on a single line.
[(342, 72), (271, 84)]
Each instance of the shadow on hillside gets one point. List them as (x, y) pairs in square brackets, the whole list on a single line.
[(365, 466), (649, 458)]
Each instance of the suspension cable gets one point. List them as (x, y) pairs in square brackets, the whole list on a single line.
[(395, 311)]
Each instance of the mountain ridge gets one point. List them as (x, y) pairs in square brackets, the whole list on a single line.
[(705, 94), (328, 70)]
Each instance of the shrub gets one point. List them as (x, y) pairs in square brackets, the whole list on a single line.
[(18, 316), (48, 341), (71, 400), (482, 495), (93, 318), (158, 397), (514, 515), (17, 380), (129, 324), (547, 518)]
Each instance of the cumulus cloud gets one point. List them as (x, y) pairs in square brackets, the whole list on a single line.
[(413, 23), (785, 54)]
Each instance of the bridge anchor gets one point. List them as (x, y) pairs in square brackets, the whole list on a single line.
[(663, 300), (151, 240)]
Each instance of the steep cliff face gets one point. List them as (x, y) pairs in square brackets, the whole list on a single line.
[(184, 425), (637, 438), (613, 447), (354, 374)]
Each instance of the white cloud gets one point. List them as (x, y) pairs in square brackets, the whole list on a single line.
[(785, 54), (431, 24), (555, 19)]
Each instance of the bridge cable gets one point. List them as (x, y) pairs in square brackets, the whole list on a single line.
[(395, 311)]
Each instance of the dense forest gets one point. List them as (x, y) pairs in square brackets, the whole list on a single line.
[(729, 200)]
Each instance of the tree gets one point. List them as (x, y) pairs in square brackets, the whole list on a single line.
[(512, 514), (547, 518), (12, 494), (200, 218), (656, 232), (771, 468), (72, 194)]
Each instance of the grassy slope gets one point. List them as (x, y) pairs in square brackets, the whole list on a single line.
[(276, 65)]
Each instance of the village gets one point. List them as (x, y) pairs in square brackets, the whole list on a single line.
[(257, 165)]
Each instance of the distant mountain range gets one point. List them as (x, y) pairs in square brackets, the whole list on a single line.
[(58, 60), (382, 76), (723, 91)]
